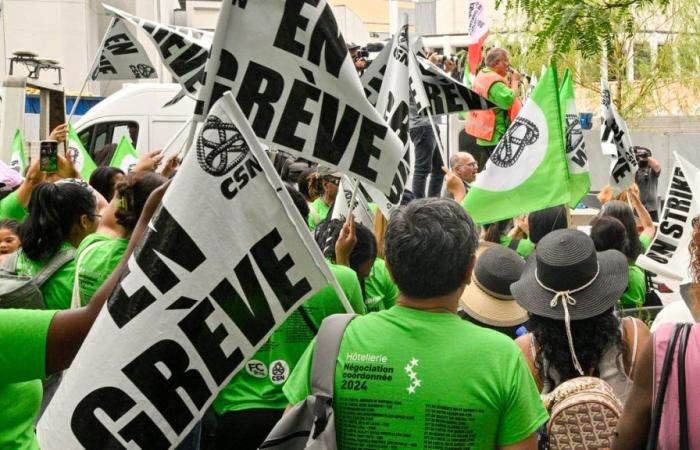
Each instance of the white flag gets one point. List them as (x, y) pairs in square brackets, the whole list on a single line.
[(122, 57), (360, 210), (623, 166), (373, 76), (478, 21), (668, 254), (183, 50), (290, 71), (213, 277)]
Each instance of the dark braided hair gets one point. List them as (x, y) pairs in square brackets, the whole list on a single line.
[(592, 337), (326, 235)]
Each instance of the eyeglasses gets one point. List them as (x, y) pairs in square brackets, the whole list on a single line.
[(334, 180), (471, 164)]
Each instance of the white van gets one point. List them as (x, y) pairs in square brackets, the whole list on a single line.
[(137, 111)]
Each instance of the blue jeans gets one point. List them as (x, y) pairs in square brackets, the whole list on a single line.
[(428, 162)]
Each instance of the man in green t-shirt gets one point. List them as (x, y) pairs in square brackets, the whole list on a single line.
[(417, 376)]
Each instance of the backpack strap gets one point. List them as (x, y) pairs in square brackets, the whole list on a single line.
[(56, 262), (328, 340), (682, 399), (10, 262), (75, 298), (513, 245)]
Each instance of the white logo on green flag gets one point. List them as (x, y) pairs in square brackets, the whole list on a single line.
[(576, 158), (82, 161), (125, 156), (527, 170), (18, 160)]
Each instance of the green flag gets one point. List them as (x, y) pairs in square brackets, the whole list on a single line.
[(125, 156), (576, 158), (18, 159), (527, 170), (81, 159)]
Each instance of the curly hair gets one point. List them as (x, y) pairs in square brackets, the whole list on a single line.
[(592, 337), (623, 212), (327, 233), (694, 248)]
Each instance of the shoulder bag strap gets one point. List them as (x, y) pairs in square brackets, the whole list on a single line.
[(682, 400), (653, 438), (75, 298), (10, 263), (328, 340), (56, 262)]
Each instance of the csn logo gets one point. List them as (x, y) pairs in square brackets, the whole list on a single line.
[(222, 151)]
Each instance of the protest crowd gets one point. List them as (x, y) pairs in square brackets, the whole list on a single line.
[(258, 292)]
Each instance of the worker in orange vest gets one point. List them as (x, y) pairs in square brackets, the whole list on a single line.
[(488, 126)]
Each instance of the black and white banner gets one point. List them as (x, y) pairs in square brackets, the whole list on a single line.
[(373, 76), (122, 57), (289, 69), (183, 50), (360, 208), (437, 93), (668, 254), (226, 259), (616, 142)]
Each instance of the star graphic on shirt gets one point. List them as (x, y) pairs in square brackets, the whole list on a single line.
[(411, 389), (416, 382), (413, 375), (414, 362), (408, 368)]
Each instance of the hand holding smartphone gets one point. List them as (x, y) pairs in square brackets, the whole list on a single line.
[(48, 156)]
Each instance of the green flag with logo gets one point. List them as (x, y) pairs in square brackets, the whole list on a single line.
[(527, 170), (576, 158), (125, 156), (18, 159), (81, 158)]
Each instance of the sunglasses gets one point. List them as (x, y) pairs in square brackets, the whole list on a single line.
[(334, 180)]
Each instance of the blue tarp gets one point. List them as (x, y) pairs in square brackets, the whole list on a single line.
[(31, 104)]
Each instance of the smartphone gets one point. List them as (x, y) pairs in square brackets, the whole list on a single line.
[(48, 156)]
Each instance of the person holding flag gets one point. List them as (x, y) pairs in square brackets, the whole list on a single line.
[(488, 126)]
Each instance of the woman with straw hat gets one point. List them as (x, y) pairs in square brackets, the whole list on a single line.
[(570, 292)]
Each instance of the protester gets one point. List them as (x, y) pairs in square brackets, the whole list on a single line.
[(323, 184), (570, 292), (608, 233), (360, 256), (60, 216), (465, 168), (9, 236), (428, 161), (103, 180), (488, 301), (607, 194), (637, 243), (303, 184), (500, 233), (647, 178), (250, 405), (420, 365), (542, 222), (35, 343), (358, 59), (99, 253), (489, 125), (634, 425)]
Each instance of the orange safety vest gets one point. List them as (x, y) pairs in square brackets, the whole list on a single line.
[(482, 123)]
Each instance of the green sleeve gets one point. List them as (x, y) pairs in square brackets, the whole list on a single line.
[(10, 208), (525, 247), (523, 412), (635, 294), (23, 336), (645, 241), (298, 386), (501, 95)]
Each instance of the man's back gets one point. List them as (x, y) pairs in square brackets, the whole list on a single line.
[(407, 378)]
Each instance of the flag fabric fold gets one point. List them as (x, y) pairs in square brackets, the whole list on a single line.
[(122, 57), (81, 158), (576, 157), (528, 168), (617, 143), (18, 157), (125, 156)]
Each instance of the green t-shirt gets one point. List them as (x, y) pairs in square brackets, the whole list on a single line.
[(58, 289), (380, 291), (635, 294), (525, 246), (503, 97), (22, 366), (645, 241), (259, 383), (98, 263), (321, 210), (10, 208), (413, 379)]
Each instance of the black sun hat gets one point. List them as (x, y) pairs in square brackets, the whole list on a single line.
[(568, 280)]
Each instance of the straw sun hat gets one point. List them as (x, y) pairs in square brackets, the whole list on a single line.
[(488, 298)]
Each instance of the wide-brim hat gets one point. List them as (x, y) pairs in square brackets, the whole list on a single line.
[(325, 171), (488, 298), (565, 268)]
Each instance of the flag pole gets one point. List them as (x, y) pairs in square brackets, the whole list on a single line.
[(176, 135), (352, 200), (92, 67)]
